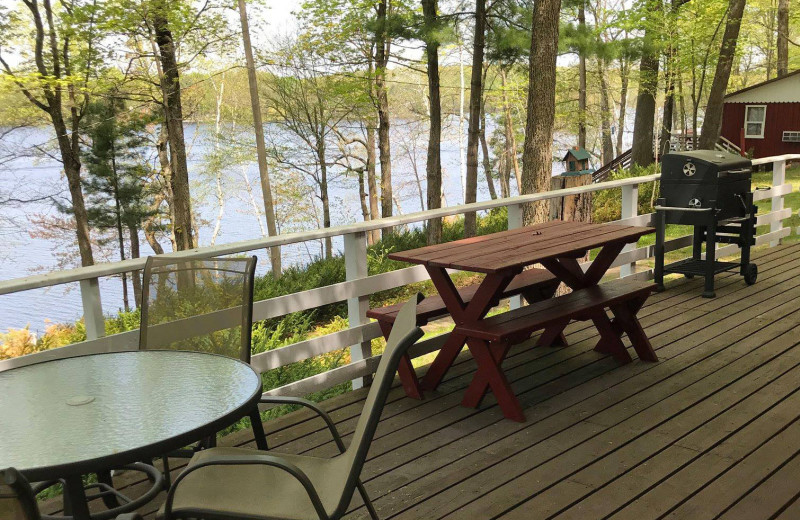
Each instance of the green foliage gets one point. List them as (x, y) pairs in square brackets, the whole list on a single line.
[(607, 204)]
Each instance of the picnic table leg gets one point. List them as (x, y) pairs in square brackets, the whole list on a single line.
[(610, 342), (497, 380), (408, 377), (553, 335), (626, 315), (557, 340), (480, 382), (482, 301), (443, 361)]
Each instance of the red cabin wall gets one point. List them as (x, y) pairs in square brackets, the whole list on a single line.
[(780, 117)]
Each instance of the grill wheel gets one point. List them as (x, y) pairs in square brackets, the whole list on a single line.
[(750, 274)]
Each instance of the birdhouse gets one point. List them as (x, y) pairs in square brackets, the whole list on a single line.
[(577, 161)]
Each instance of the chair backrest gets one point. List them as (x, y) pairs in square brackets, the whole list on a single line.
[(404, 334), (17, 501), (201, 305)]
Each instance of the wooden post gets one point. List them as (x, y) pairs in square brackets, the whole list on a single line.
[(355, 264), (630, 208), (778, 178), (572, 207), (92, 309)]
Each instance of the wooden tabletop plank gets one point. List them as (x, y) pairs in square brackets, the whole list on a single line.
[(530, 255), (503, 241), (536, 240), (422, 254), (521, 247)]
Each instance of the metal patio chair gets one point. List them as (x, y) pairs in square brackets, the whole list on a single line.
[(17, 501), (185, 306), (239, 483)]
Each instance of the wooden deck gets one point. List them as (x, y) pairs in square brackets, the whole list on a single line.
[(710, 431)]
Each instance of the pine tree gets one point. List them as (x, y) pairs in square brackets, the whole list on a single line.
[(116, 181)]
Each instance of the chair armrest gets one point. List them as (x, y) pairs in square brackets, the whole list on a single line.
[(312, 406), (257, 458)]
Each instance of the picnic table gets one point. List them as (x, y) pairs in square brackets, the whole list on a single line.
[(557, 246)]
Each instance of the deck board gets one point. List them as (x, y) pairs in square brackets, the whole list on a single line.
[(709, 431)]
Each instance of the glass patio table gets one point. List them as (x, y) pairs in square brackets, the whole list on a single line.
[(65, 418)]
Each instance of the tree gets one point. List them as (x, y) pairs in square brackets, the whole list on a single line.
[(63, 60), (783, 37), (383, 46), (173, 116), (712, 123), (537, 153), (475, 102), (309, 105), (261, 149), (642, 152), (433, 165), (117, 192)]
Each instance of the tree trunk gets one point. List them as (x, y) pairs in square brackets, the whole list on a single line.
[(433, 166), (382, 46), (362, 195), (487, 164), (605, 114), (324, 196), (473, 130), (261, 148), (581, 79), (712, 123), (624, 67), (783, 37), (669, 105), (136, 276), (372, 182), (510, 136), (642, 153), (179, 180), (537, 157)]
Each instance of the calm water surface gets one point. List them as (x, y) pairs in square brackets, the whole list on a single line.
[(23, 253)]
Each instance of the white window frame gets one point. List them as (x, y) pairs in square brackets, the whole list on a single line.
[(746, 121)]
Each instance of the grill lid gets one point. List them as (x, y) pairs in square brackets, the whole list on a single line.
[(703, 165)]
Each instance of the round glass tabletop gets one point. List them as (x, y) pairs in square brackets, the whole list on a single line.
[(64, 416)]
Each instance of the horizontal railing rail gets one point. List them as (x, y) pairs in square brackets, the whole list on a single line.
[(358, 286)]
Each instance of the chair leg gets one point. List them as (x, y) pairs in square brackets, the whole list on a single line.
[(367, 501), (104, 477)]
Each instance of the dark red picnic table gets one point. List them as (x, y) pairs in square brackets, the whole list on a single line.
[(556, 245)]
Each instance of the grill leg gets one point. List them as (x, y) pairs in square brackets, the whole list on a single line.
[(661, 224), (711, 241), (697, 243)]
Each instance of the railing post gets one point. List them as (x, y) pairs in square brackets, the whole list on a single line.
[(778, 178), (630, 208), (355, 263), (515, 222), (92, 309)]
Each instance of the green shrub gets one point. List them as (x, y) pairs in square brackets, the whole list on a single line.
[(607, 204)]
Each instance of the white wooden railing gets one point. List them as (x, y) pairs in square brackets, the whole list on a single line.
[(358, 285)]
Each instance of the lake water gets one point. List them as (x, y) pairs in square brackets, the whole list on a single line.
[(23, 253)]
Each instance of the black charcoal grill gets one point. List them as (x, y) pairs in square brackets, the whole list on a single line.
[(711, 191)]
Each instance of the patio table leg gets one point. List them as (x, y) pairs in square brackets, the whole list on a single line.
[(443, 361), (258, 430), (487, 364), (75, 498), (553, 335)]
